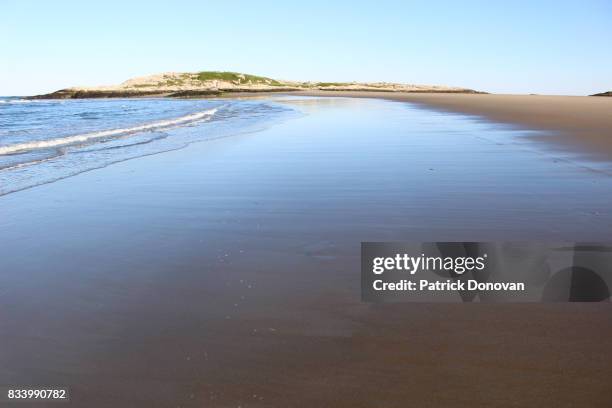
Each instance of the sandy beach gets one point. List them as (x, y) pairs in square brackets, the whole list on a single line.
[(327, 205), (580, 123), (227, 273)]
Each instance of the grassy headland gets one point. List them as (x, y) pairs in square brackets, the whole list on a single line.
[(207, 83)]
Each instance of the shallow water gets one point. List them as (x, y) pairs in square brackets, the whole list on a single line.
[(46, 140)]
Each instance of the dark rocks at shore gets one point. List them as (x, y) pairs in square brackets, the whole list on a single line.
[(189, 93), (82, 94), (609, 93), (195, 93)]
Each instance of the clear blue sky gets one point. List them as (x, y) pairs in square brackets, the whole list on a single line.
[(552, 47)]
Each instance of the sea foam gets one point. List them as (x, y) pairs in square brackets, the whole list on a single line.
[(68, 140)]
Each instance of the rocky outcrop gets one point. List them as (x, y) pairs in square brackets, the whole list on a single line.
[(609, 93), (92, 93)]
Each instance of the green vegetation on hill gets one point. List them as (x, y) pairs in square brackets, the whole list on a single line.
[(235, 77)]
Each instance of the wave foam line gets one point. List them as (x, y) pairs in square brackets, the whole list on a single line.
[(15, 101), (62, 141)]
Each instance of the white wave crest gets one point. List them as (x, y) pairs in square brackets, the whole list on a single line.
[(62, 141), (16, 101)]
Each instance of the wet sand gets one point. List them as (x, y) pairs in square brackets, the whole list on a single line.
[(580, 123), (226, 274)]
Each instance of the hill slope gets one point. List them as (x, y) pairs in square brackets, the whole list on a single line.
[(184, 84)]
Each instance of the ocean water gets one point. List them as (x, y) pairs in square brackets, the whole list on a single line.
[(46, 140)]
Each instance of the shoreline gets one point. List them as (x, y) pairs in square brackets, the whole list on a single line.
[(220, 92), (572, 124), (578, 123)]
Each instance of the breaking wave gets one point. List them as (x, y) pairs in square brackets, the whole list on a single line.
[(86, 137)]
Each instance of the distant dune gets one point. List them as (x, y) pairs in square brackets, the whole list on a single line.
[(609, 93), (186, 84)]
